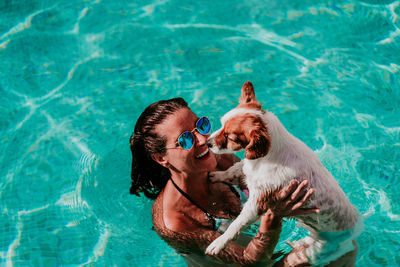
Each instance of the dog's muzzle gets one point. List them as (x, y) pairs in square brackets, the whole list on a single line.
[(210, 142)]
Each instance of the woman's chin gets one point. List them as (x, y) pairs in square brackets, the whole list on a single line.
[(207, 162)]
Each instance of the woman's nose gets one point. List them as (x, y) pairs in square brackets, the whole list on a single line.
[(200, 139)]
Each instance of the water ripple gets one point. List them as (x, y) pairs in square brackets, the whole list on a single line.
[(82, 14), (35, 103), (100, 246), (254, 32), (148, 10), (19, 226), (26, 24)]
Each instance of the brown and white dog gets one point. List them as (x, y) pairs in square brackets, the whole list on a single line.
[(273, 158)]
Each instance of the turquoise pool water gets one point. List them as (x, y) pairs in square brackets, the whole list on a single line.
[(75, 75)]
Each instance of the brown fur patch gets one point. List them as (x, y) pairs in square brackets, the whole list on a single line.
[(259, 144), (248, 96), (251, 105), (247, 132)]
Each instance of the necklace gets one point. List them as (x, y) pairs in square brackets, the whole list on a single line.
[(209, 216)]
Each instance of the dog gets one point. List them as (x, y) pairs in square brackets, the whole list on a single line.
[(273, 158)]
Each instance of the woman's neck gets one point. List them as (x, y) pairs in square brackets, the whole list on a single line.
[(192, 184)]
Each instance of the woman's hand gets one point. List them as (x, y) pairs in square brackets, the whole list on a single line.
[(288, 201), (297, 257)]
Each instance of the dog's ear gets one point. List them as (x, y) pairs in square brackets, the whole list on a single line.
[(259, 144), (247, 95)]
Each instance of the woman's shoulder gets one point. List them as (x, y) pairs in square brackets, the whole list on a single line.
[(178, 222), (170, 219), (176, 232)]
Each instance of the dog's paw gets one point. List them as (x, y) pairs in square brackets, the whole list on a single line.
[(215, 177), (216, 246)]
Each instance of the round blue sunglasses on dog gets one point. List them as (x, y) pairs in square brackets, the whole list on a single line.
[(186, 139)]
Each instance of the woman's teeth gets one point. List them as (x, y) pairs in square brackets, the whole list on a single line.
[(202, 154)]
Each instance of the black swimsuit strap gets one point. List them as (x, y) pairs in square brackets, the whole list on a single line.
[(233, 190), (209, 216)]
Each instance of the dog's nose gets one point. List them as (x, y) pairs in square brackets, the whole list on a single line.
[(209, 143)]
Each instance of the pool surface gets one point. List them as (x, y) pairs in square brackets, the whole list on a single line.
[(76, 74)]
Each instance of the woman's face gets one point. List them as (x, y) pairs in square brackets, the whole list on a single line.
[(187, 161)]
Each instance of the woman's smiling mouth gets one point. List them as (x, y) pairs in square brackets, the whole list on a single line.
[(203, 155)]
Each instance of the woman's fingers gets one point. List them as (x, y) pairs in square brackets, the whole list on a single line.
[(299, 191), (304, 212), (291, 199), (283, 194), (304, 199)]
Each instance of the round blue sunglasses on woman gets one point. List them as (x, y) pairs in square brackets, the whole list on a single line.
[(186, 139)]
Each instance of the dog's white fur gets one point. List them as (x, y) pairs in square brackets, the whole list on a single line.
[(288, 158)]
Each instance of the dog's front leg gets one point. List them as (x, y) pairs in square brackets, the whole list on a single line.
[(248, 214), (231, 175)]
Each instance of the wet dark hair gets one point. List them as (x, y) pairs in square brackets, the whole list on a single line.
[(147, 175)]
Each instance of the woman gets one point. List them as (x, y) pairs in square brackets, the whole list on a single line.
[(170, 164)]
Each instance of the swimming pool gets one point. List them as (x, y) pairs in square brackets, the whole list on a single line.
[(75, 75)]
